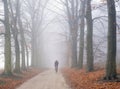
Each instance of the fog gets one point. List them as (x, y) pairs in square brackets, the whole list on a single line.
[(54, 36), (59, 44)]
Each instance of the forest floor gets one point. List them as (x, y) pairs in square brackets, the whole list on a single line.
[(80, 79), (17, 79), (68, 79)]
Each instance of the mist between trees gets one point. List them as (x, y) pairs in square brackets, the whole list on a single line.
[(87, 33)]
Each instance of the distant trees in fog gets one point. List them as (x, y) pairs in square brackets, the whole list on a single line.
[(85, 11), (24, 19)]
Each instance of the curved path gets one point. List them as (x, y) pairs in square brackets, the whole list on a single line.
[(46, 80)]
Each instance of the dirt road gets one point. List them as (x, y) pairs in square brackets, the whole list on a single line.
[(46, 80)]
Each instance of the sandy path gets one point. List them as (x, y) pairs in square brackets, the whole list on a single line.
[(46, 80)]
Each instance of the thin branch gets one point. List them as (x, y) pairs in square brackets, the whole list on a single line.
[(99, 17)]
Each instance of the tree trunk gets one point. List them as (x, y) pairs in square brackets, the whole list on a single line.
[(82, 27), (22, 40), (73, 26), (27, 54), (17, 52), (89, 37), (15, 36), (111, 52), (22, 44), (74, 49), (7, 47), (23, 49)]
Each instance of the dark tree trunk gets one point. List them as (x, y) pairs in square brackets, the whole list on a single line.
[(74, 32), (7, 47), (74, 49), (111, 52), (89, 37), (82, 27)]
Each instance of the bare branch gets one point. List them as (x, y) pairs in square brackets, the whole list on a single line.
[(99, 17)]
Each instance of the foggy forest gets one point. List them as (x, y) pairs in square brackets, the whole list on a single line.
[(59, 44)]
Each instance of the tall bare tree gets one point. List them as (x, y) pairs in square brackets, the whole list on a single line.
[(111, 52), (7, 47), (72, 8), (15, 30), (89, 49), (82, 27), (36, 13), (22, 35)]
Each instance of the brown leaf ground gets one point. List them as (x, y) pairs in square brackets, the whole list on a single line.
[(79, 79), (14, 81)]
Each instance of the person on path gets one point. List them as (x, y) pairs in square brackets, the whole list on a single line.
[(56, 66)]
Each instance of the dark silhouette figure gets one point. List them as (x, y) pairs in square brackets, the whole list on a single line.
[(56, 66)]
